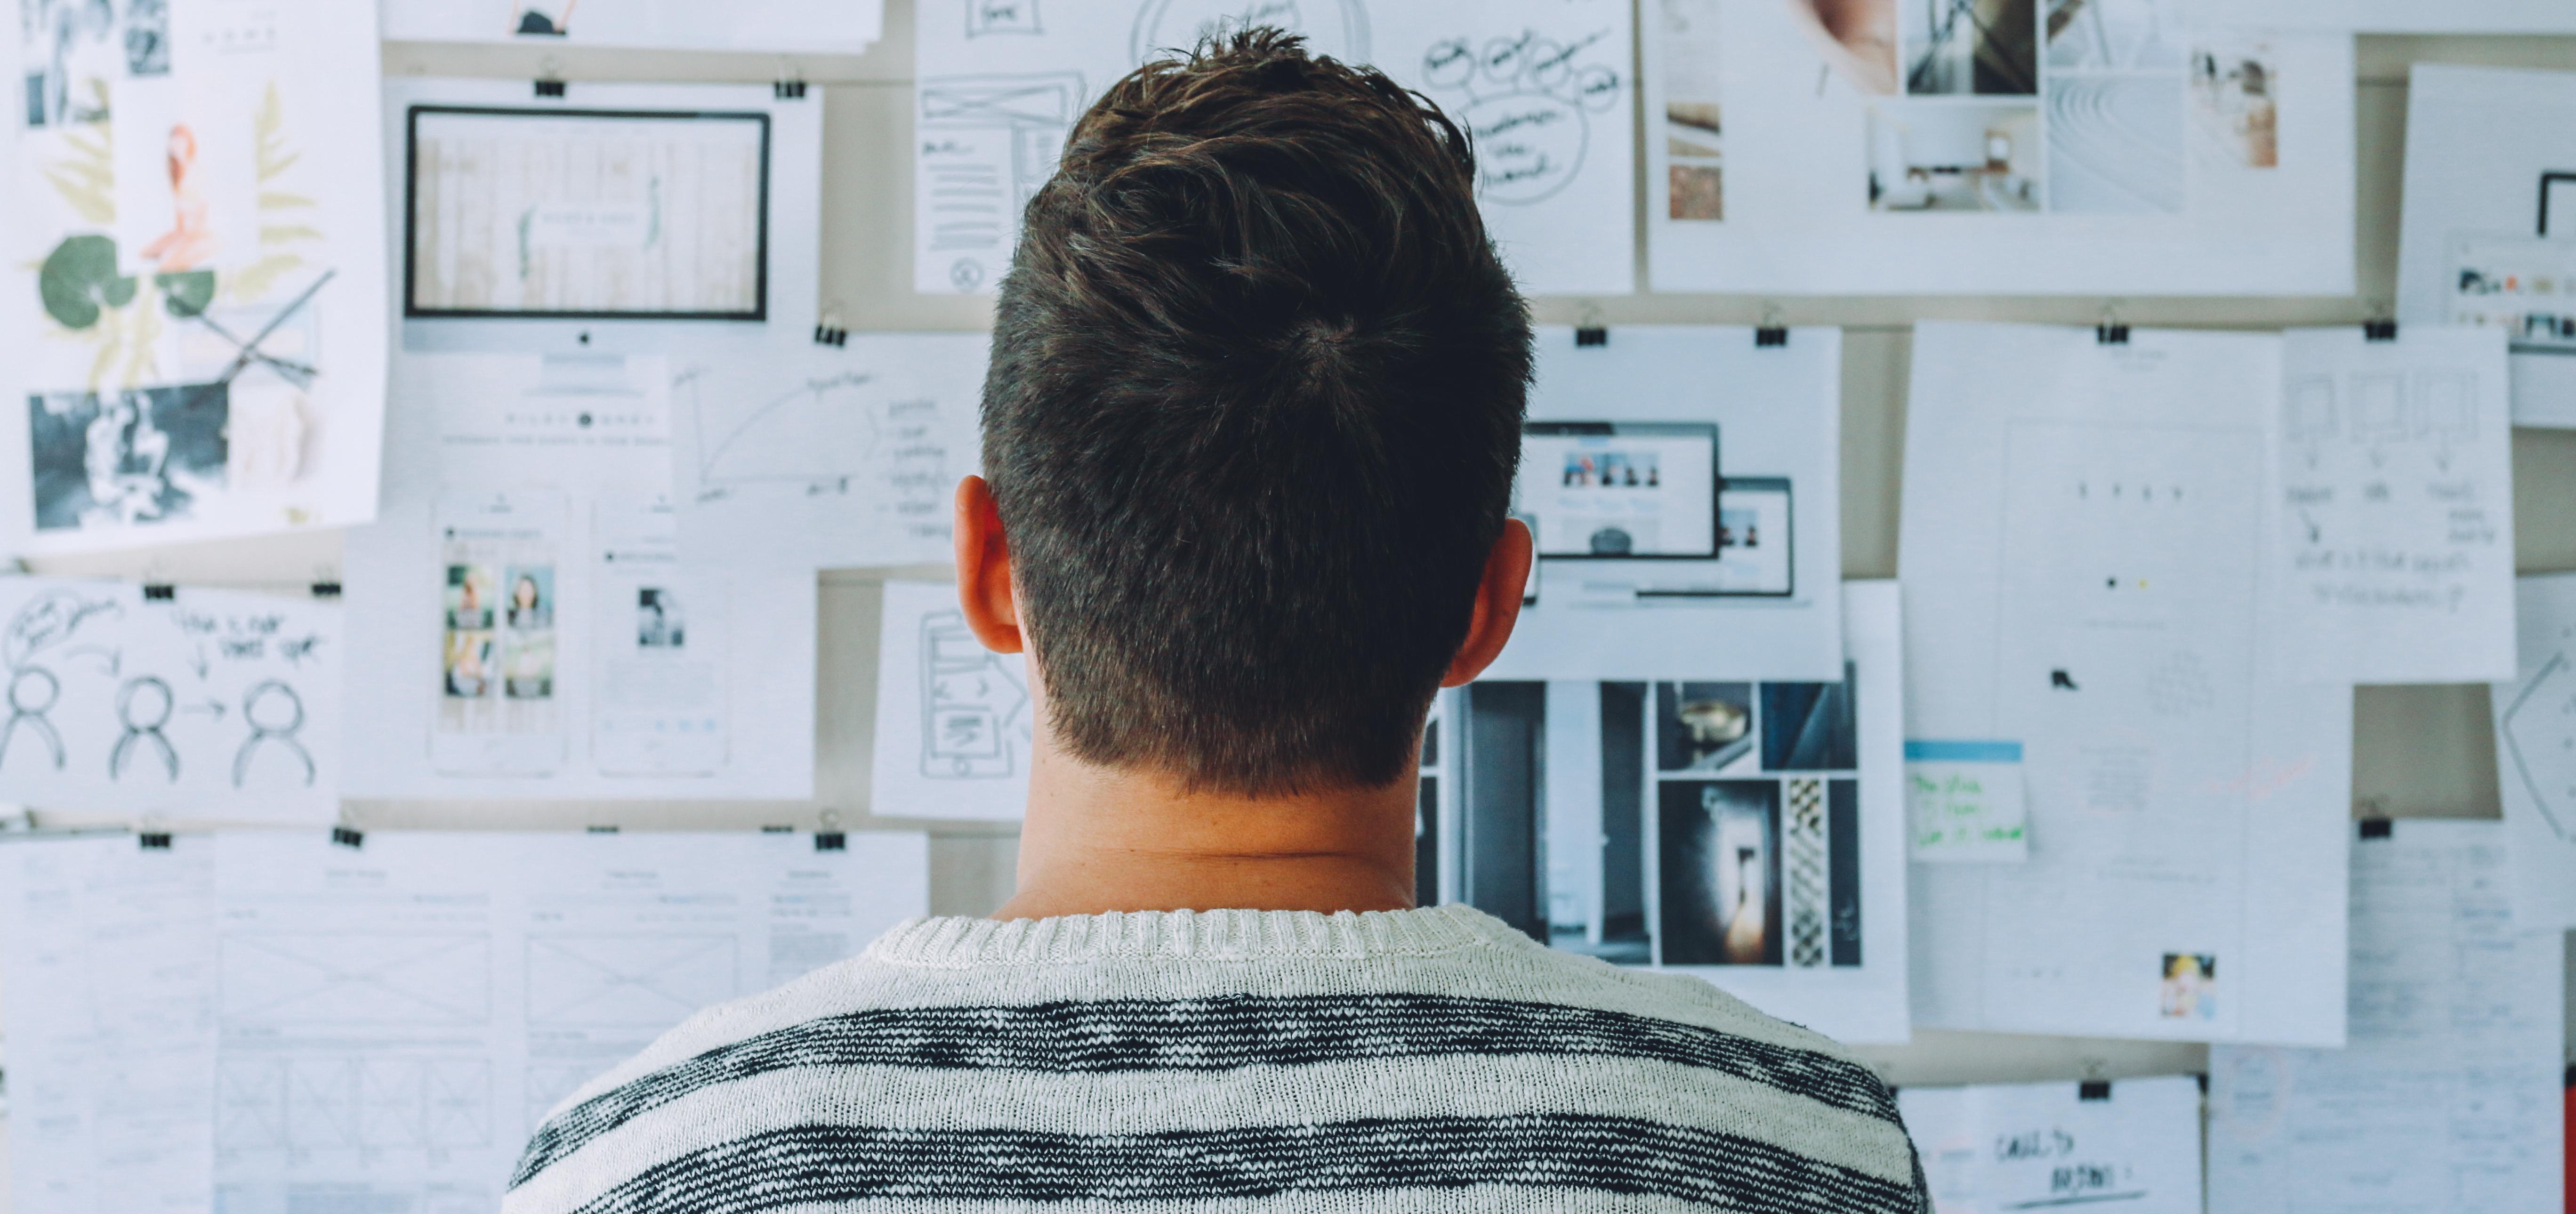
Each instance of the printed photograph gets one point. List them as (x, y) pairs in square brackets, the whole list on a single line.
[(1969, 47), (2115, 144), (658, 621), (532, 596), (1612, 470), (1937, 156), (528, 664), (471, 590), (70, 51), (2190, 988), (1720, 872), (147, 37), (1693, 92), (119, 459), (1856, 37), (2235, 124), (1702, 726), (2115, 35), (2521, 284), (468, 665), (544, 18), (1810, 726)]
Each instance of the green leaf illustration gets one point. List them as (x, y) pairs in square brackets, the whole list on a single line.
[(78, 277), (186, 294)]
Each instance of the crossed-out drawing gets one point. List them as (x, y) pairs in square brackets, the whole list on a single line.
[(274, 712), (143, 706)]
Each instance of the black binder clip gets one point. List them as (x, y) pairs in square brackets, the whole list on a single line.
[(831, 840), (159, 592), (154, 840), (2093, 1089), (599, 830), (789, 90), (326, 590), (2378, 828), (1592, 335), (349, 837), (828, 330), (2379, 330), (2111, 330), (767, 829), (1773, 332), (550, 88)]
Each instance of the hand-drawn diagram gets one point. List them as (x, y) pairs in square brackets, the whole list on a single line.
[(2539, 735), (359, 979), (646, 982), (314, 1103), (974, 718), (987, 143), (834, 457), (200, 702), (1529, 102)]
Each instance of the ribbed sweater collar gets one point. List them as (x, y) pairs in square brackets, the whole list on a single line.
[(947, 942)]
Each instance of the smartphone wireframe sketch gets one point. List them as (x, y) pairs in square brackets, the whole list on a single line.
[(496, 682), (1621, 491), (659, 704), (969, 704)]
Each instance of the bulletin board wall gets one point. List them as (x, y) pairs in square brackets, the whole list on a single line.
[(2419, 751)]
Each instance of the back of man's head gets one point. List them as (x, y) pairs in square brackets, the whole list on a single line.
[(1252, 419)]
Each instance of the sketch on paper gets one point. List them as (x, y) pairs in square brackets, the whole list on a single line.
[(188, 705), (307, 1103), (204, 357), (780, 26), (829, 458), (430, 979), (1542, 85), (955, 721), (640, 980)]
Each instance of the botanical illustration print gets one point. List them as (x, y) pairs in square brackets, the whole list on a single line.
[(179, 259)]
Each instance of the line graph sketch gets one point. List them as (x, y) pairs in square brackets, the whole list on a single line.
[(639, 981), (357, 978)]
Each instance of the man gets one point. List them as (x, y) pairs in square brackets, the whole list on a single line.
[(1250, 428)]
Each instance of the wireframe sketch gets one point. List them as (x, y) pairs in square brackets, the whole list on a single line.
[(975, 722), (1339, 28), (357, 979), (987, 143), (1529, 102), (2539, 736), (644, 981), (306, 1102), (143, 707)]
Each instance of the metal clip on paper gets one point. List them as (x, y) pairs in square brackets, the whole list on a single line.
[(1773, 332), (549, 78), (159, 592), (1592, 330), (2378, 828), (827, 832), (2379, 330), (153, 840), (599, 830), (2111, 330), (349, 837), (828, 331), (2093, 1089)]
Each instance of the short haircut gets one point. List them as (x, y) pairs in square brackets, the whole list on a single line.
[(1252, 419)]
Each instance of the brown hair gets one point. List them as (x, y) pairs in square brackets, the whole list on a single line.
[(1252, 418)]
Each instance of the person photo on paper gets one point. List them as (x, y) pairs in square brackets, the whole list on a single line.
[(1250, 429)]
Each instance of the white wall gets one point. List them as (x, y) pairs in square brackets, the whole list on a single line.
[(2419, 751)]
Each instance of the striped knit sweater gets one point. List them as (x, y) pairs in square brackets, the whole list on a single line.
[(1223, 1062)]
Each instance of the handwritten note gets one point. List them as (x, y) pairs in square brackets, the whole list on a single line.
[(2035, 1146), (2392, 521), (1964, 802)]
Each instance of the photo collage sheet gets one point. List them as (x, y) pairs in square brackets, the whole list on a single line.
[(1993, 146), (1544, 87), (194, 294)]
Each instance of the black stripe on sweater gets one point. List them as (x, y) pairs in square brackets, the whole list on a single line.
[(814, 1165), (1213, 1034)]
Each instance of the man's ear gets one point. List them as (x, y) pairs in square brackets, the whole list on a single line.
[(1498, 604), (984, 569)]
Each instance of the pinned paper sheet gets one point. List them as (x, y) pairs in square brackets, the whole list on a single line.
[(2035, 1146), (2392, 518), (2535, 734), (954, 719), (1964, 802)]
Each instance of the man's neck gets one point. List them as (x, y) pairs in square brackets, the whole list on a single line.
[(1099, 840)]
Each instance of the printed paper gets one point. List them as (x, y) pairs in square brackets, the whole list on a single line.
[(2032, 1146), (205, 704), (817, 26), (1993, 147), (2447, 1095), (2535, 729), (822, 457), (1964, 802), (2083, 559), (1744, 830), (1683, 486), (2395, 16), (195, 302), (2489, 231), (522, 622), (954, 719), (2393, 524), (283, 1020), (1543, 86)]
